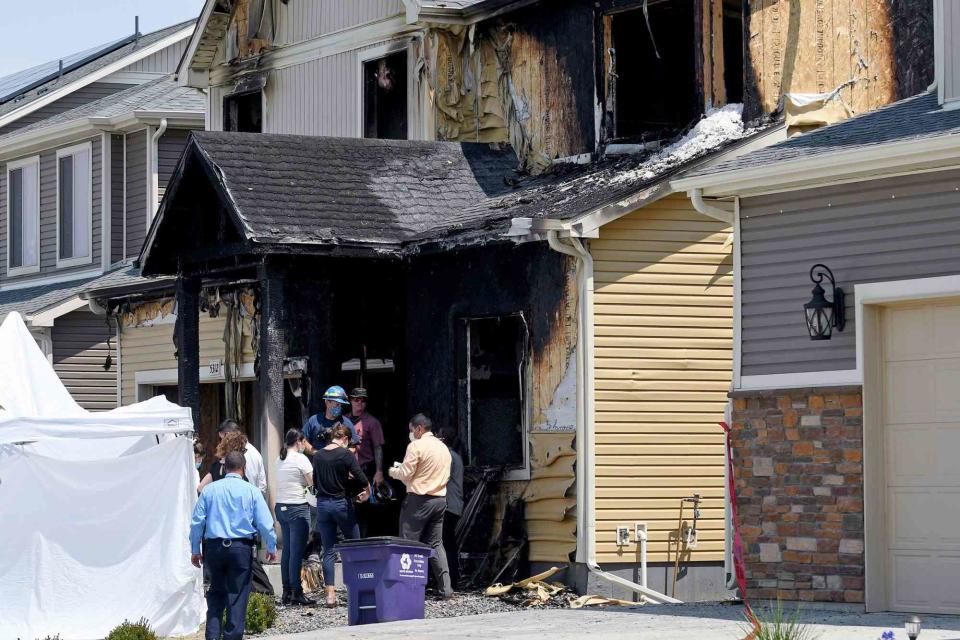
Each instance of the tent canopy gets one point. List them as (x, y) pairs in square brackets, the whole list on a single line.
[(34, 404), (94, 507)]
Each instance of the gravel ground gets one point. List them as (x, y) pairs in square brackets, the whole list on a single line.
[(300, 619)]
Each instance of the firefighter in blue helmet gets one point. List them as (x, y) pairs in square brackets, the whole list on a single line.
[(319, 426)]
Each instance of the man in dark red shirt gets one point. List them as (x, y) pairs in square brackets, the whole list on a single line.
[(369, 453)]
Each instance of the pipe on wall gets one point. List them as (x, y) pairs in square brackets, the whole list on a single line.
[(155, 167), (586, 471)]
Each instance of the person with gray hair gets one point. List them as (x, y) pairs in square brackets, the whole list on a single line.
[(228, 515), (425, 471)]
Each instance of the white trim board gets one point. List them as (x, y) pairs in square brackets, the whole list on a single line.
[(48, 316), (53, 279), (800, 380)]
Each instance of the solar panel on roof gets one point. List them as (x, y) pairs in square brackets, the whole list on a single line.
[(20, 82)]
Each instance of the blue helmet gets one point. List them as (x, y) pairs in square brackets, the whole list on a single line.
[(337, 394)]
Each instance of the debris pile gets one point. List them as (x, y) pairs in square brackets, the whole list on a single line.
[(535, 591)]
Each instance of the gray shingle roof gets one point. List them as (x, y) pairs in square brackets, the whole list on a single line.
[(161, 94), (307, 189), (31, 300), (914, 118), (99, 63)]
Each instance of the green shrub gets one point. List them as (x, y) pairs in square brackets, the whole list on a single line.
[(139, 630), (774, 624), (261, 613)]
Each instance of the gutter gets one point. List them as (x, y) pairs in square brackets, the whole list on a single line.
[(155, 167), (586, 468)]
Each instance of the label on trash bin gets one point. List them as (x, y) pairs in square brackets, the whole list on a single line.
[(410, 565), (366, 576)]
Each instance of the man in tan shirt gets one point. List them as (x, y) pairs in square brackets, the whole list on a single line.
[(425, 471)]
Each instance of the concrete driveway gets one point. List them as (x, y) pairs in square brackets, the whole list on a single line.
[(659, 622)]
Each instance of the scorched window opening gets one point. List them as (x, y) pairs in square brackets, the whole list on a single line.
[(385, 97), (495, 349), (243, 112)]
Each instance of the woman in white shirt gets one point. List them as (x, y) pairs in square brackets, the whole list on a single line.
[(294, 477)]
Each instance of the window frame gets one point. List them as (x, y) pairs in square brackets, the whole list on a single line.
[(521, 472), (61, 153), (376, 53), (11, 166)]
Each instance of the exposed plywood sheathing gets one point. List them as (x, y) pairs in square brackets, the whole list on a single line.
[(814, 46), (663, 331)]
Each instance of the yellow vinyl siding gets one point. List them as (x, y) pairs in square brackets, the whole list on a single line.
[(150, 348), (663, 327)]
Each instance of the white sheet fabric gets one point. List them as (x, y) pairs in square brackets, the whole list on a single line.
[(94, 508)]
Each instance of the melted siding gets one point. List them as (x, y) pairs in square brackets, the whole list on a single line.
[(663, 360)]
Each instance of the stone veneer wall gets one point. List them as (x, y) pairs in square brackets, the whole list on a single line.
[(798, 457)]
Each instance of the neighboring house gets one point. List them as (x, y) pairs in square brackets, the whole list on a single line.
[(845, 445), (394, 261), (85, 144)]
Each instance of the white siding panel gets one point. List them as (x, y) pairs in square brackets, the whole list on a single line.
[(299, 21), (316, 98), (951, 41)]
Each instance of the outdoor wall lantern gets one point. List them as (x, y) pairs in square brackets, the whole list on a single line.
[(823, 315), (912, 626)]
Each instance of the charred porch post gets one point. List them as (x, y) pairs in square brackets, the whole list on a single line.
[(272, 343), (188, 345)]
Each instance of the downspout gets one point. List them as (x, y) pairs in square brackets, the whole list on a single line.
[(155, 167), (696, 197), (586, 488)]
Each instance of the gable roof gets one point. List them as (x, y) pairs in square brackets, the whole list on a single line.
[(459, 11), (95, 69), (832, 151), (156, 96), (363, 194)]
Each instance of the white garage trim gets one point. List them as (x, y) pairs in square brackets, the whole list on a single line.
[(870, 300)]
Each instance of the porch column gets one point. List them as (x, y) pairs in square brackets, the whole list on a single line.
[(187, 337), (273, 347)]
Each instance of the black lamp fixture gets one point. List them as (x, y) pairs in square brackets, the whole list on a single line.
[(823, 315), (912, 627)]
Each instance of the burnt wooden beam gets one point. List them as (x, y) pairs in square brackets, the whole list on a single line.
[(187, 338), (319, 322), (272, 351)]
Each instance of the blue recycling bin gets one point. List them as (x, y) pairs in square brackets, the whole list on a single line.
[(385, 577)]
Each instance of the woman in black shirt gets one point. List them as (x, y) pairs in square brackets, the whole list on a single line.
[(337, 478)]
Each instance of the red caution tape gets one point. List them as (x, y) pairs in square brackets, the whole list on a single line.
[(738, 564)]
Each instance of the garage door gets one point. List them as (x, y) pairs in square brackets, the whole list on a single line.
[(922, 450)]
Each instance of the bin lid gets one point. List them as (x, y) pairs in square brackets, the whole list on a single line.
[(382, 541)]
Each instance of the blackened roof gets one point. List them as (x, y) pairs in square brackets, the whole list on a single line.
[(914, 118), (374, 193)]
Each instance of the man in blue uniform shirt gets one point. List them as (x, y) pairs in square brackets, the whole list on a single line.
[(228, 515)]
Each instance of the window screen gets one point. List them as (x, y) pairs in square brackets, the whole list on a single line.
[(74, 205), (24, 217)]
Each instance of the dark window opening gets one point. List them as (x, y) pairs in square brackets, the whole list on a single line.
[(243, 112), (385, 97), (655, 96), (733, 49), (495, 361)]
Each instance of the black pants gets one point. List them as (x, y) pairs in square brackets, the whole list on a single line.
[(421, 519), (450, 521), (230, 573)]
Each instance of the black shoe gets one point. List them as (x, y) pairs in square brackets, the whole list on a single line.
[(287, 596), (297, 597)]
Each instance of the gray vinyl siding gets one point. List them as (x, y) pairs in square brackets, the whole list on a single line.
[(299, 21), (79, 352), (171, 145), (48, 213), (116, 198), (82, 96), (136, 191), (163, 61), (883, 230)]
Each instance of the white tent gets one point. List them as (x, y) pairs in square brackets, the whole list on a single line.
[(94, 507)]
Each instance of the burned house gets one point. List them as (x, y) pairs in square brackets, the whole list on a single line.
[(499, 245)]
